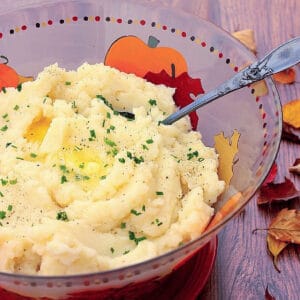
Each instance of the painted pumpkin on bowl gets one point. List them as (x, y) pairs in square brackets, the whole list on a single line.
[(131, 55), (9, 77)]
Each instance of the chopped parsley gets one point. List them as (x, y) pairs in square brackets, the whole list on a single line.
[(1, 194), (152, 102), (109, 142), (33, 155), (129, 154), (2, 214), (150, 141), (4, 90), (68, 83), (143, 208), (108, 115), (5, 116), (158, 222), (112, 250), (102, 177), (81, 166), (92, 135), (16, 107), (122, 160), (63, 179), (159, 193), (62, 216), (138, 160), (4, 128), (145, 147), (123, 225), (132, 237), (9, 207), (134, 212)]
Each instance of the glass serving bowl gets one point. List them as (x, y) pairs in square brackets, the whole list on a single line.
[(36, 34)]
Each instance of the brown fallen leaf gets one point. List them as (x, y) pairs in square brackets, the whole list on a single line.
[(226, 148), (268, 296), (296, 167), (286, 226), (290, 133), (272, 174), (275, 247), (282, 191), (287, 76), (246, 36), (291, 113)]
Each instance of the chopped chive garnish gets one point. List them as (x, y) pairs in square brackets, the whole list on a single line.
[(4, 128), (5, 116), (123, 225), (116, 113), (68, 83), (114, 152), (20, 158), (78, 148), (152, 102), (63, 179), (103, 177), (122, 160), (9, 207), (103, 123), (109, 142), (138, 160), (132, 237), (16, 107), (33, 155), (134, 212), (92, 135), (112, 250), (192, 154), (2, 214), (145, 147), (81, 166), (159, 193), (1, 194), (13, 181), (63, 168), (143, 208), (19, 87), (104, 101), (3, 182), (4, 90), (108, 115), (62, 216), (200, 159), (129, 154), (150, 141), (126, 252)]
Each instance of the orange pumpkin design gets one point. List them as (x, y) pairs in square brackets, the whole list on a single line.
[(9, 77), (131, 55)]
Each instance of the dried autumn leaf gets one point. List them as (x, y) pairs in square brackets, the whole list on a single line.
[(291, 113), (282, 191), (296, 167), (286, 226), (268, 296), (246, 36), (287, 76), (227, 148), (291, 133), (275, 247), (272, 174)]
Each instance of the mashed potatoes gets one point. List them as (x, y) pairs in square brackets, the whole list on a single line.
[(83, 188)]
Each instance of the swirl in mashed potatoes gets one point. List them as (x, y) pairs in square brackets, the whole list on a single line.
[(83, 188)]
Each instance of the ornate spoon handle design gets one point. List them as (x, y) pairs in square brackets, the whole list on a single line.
[(281, 58)]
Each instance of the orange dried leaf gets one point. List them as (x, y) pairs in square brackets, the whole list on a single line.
[(275, 247), (227, 148), (291, 113), (296, 167), (226, 209), (287, 76), (286, 226), (246, 37)]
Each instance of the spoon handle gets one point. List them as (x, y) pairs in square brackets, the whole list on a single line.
[(281, 58)]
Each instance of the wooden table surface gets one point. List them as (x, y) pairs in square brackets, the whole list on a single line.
[(243, 267)]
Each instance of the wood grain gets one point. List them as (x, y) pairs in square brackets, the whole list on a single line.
[(244, 268)]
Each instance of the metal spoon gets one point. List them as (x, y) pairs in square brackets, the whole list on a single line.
[(281, 58)]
